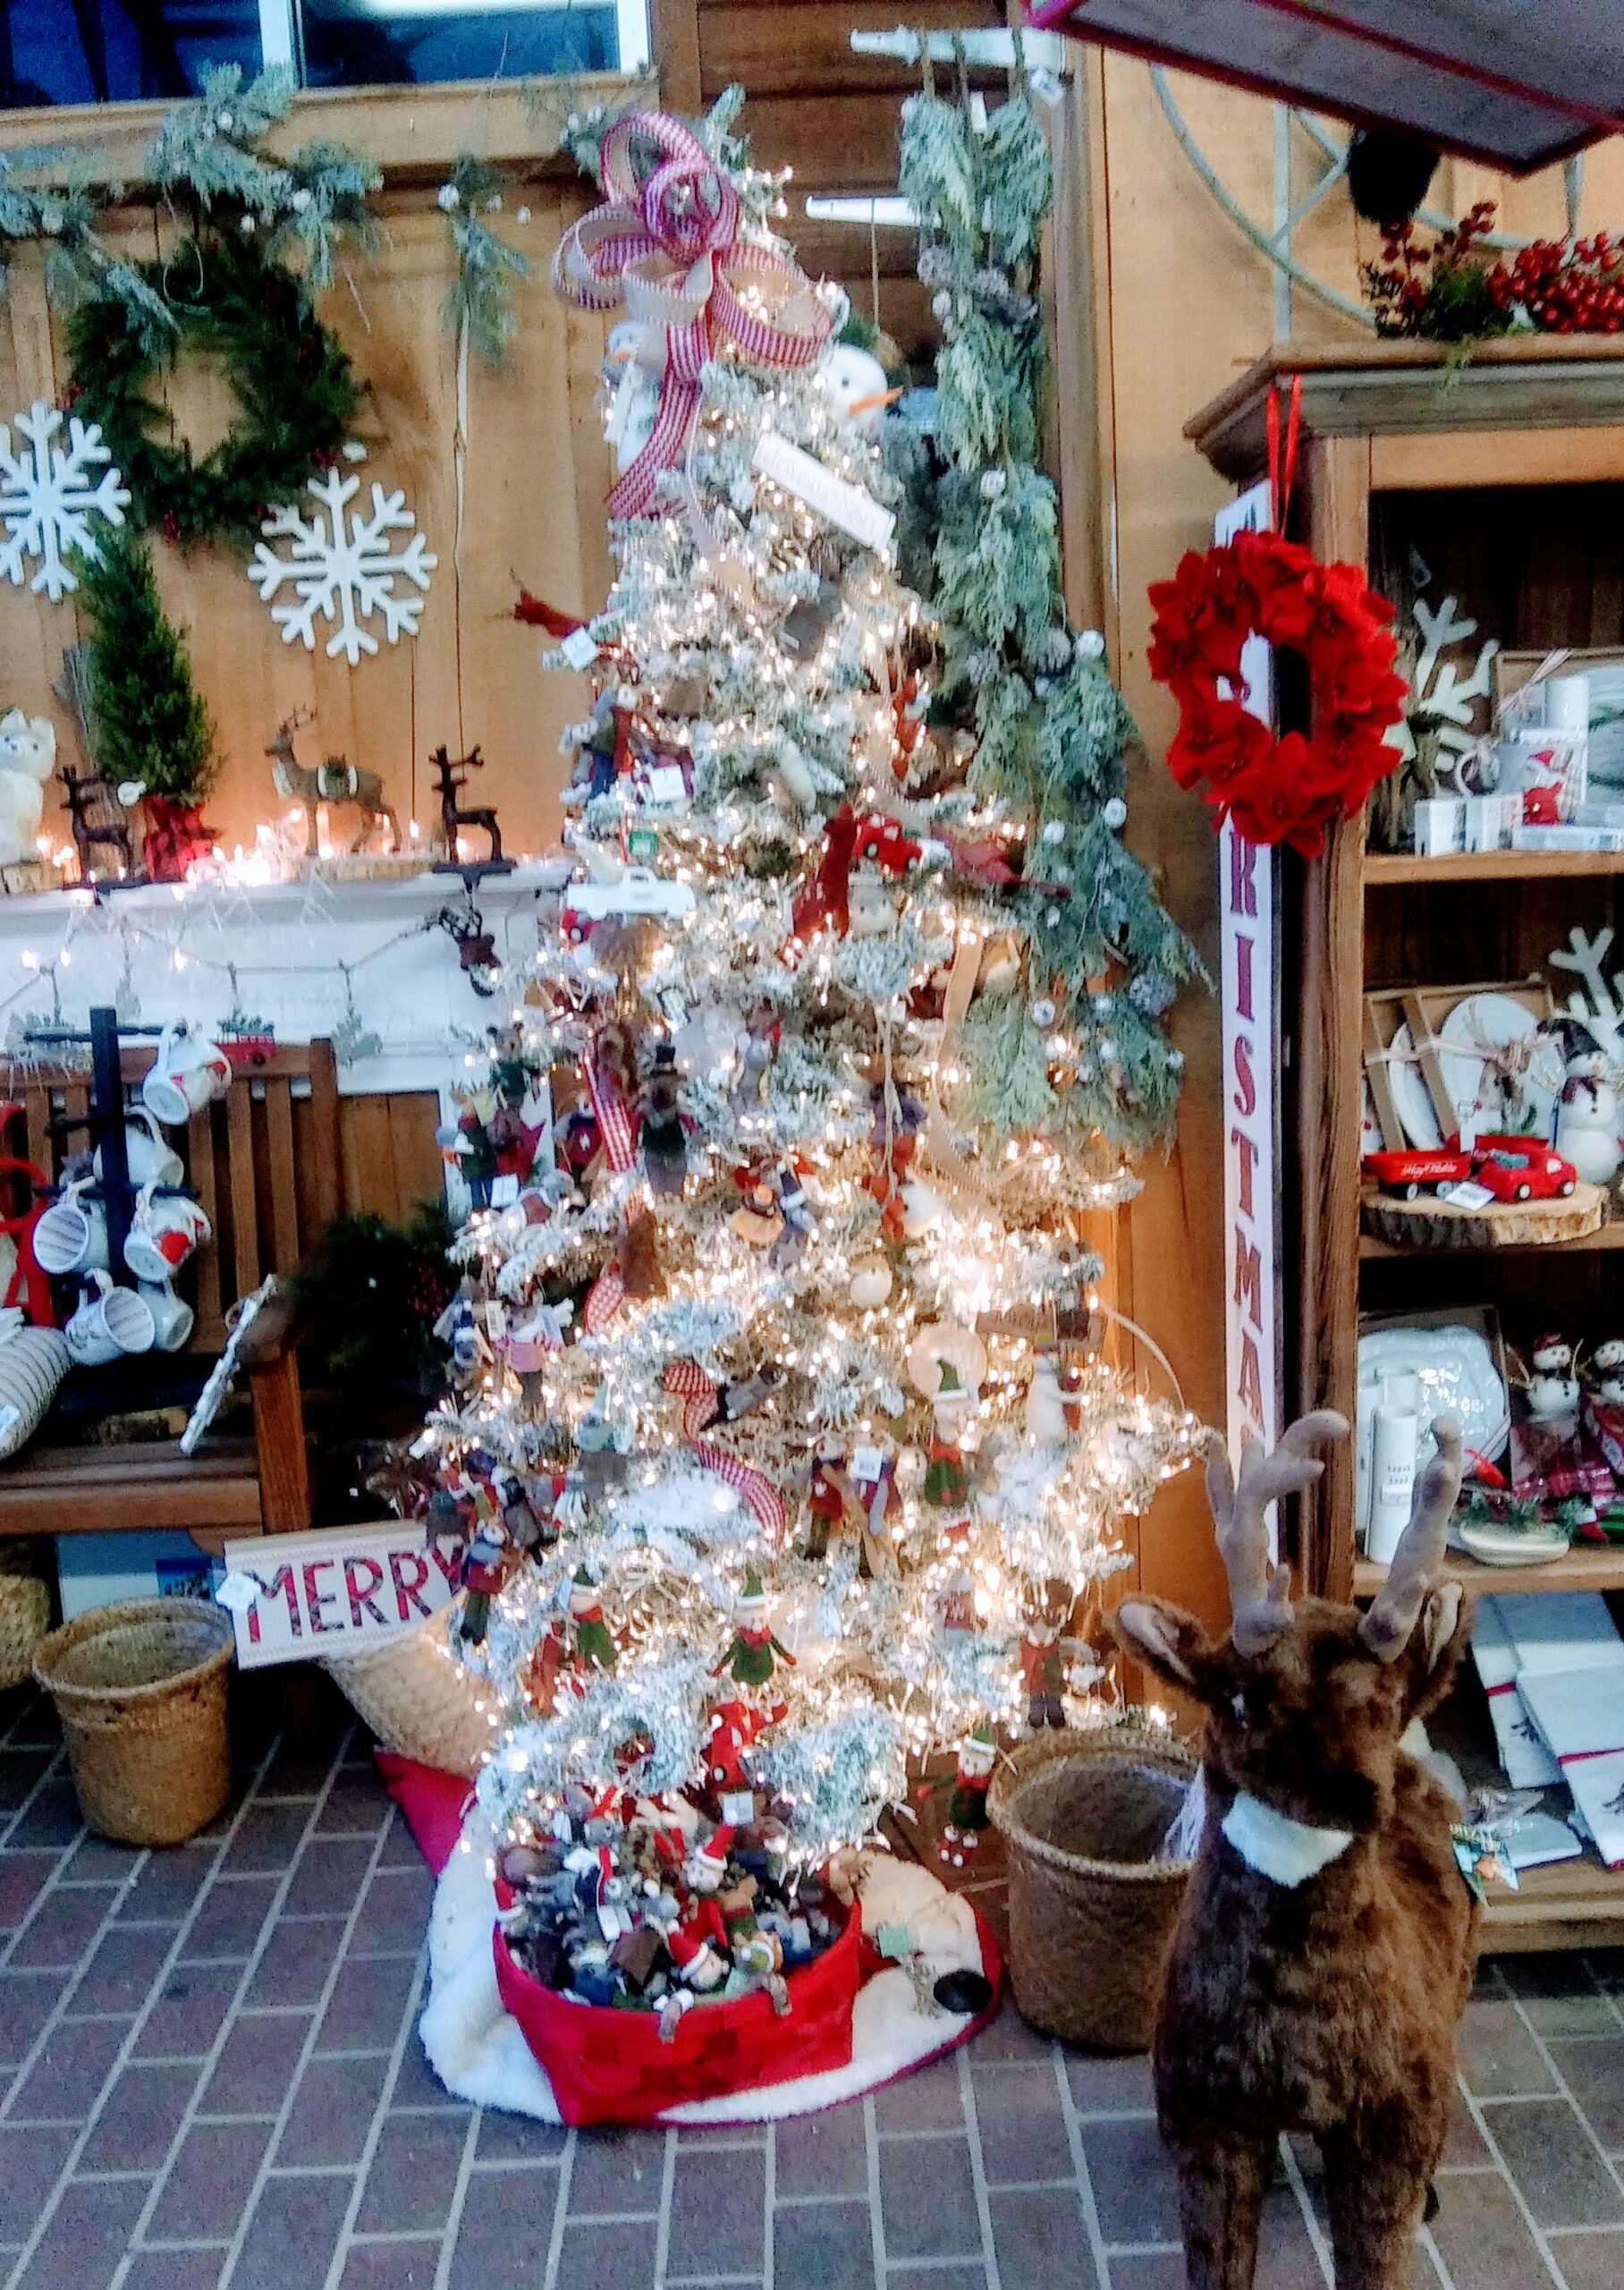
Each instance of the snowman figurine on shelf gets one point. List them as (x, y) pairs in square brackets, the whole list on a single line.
[(1587, 1111), (1553, 1388), (1608, 1361)]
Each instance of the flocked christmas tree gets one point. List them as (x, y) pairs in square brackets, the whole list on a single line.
[(789, 1452)]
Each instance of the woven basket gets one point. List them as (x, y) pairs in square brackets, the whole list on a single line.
[(1091, 1914), (25, 1612), (417, 1701), (141, 1689)]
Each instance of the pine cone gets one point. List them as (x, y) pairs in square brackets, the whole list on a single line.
[(1052, 653)]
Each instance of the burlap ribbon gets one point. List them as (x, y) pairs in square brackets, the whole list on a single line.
[(667, 248)]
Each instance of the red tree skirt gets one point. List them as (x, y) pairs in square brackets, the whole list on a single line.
[(863, 2025)]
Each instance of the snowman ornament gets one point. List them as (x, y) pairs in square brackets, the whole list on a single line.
[(855, 382), (1608, 1361), (1553, 1388), (634, 368), (1587, 1111)]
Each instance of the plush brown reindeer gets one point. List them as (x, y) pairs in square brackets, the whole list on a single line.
[(1325, 1956)]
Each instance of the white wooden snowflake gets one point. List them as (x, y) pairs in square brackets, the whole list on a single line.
[(344, 568), (49, 496)]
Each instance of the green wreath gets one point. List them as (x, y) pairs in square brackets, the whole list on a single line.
[(297, 389)]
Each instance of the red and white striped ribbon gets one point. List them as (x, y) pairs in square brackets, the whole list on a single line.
[(610, 1109), (697, 1391), (667, 247)]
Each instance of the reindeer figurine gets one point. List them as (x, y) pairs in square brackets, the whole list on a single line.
[(333, 781), (450, 779), (1319, 1973)]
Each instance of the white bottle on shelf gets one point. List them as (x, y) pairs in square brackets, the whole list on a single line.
[(1369, 1397), (1395, 1430)]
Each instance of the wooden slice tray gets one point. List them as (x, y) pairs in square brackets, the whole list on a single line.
[(1430, 1223)]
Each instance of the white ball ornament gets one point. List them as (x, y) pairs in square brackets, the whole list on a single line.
[(1053, 833), (1115, 813), (920, 1209), (1091, 644), (993, 484), (1042, 1011), (870, 1285)]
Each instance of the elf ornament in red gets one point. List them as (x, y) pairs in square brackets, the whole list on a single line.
[(1286, 790), (825, 1498), (967, 1806)]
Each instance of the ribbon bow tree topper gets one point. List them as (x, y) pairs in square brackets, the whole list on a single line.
[(666, 244)]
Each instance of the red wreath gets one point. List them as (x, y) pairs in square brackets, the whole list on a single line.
[(1259, 584)]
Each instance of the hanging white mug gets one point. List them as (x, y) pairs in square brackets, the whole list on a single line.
[(72, 1234), (150, 1158), (108, 1323), (162, 1233), (189, 1073), (172, 1319)]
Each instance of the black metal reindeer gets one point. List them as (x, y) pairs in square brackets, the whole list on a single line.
[(451, 777)]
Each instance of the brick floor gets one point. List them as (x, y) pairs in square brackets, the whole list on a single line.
[(212, 2082)]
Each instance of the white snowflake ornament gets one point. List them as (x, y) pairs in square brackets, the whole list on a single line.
[(344, 568), (49, 496)]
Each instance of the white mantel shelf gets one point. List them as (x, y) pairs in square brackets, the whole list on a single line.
[(416, 998)]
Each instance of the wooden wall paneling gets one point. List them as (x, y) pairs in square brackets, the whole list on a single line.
[(789, 46), (472, 675), (390, 1164), (675, 29)]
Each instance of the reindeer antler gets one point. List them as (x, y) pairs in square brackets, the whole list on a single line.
[(1259, 1597), (1397, 1605)]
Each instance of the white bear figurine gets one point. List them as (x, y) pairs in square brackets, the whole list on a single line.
[(28, 755)]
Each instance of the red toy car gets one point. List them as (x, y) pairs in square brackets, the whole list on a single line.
[(1522, 1168), (1411, 1174)]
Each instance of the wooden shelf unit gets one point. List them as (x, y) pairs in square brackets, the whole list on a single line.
[(1587, 1566), (1505, 477), (1384, 866)]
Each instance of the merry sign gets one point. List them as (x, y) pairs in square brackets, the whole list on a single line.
[(338, 1591)]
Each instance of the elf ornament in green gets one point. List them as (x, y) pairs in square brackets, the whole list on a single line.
[(592, 1646), (967, 1806), (754, 1652), (946, 1482)]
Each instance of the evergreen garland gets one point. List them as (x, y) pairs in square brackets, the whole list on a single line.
[(1051, 728), (480, 298), (369, 1301), (204, 154), (151, 726), (298, 391)]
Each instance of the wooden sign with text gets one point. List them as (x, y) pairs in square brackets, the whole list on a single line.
[(337, 1591), (1249, 995)]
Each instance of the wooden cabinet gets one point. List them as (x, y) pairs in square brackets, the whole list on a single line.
[(1500, 483)]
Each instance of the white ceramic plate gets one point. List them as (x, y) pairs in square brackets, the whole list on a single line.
[(1370, 1130), (1496, 1019), (1410, 1093), (1455, 1370), (1605, 765)]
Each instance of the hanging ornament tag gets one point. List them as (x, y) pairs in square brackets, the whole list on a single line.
[(578, 648), (237, 1593), (829, 497), (867, 1463), (504, 1192), (642, 842), (739, 1808), (666, 783)]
